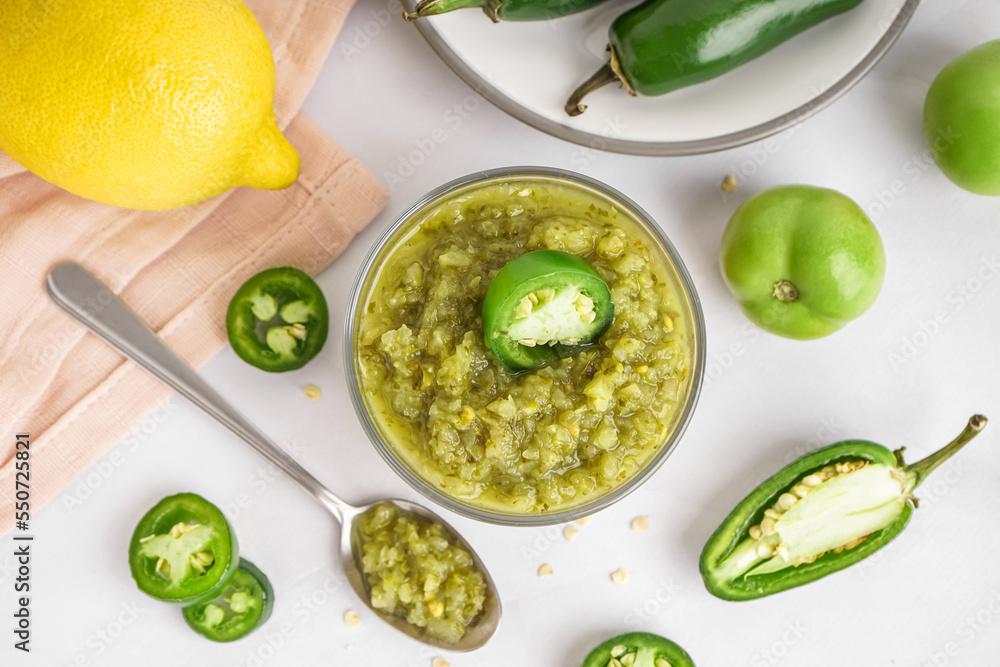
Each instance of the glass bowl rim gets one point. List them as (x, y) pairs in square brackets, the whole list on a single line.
[(483, 514)]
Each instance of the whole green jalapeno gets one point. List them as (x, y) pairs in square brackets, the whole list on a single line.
[(822, 513), (504, 10), (663, 45)]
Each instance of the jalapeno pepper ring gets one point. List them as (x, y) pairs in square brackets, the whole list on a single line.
[(183, 550), (638, 649), (240, 609), (278, 320), (820, 514), (542, 306)]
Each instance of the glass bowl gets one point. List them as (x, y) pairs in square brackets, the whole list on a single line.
[(407, 223)]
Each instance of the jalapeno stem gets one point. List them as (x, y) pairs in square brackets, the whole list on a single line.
[(921, 469), (602, 77), (435, 7), (610, 73)]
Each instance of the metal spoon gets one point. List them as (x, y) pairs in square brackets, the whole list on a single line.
[(93, 304)]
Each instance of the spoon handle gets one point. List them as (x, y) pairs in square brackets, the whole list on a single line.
[(93, 304)]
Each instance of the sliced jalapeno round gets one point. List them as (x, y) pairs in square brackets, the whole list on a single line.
[(278, 320), (183, 550), (820, 514), (240, 609), (638, 649), (543, 306)]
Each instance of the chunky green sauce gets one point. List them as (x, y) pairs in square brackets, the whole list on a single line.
[(537, 441), (415, 572)]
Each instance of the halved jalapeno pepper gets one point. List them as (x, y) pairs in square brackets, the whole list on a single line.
[(820, 514), (638, 649), (183, 550), (543, 306), (244, 606), (278, 320)]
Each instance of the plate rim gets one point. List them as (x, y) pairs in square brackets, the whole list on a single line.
[(667, 148)]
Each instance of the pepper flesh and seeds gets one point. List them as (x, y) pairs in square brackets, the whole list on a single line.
[(239, 610), (822, 513), (180, 554), (638, 649), (542, 306), (278, 320), (183, 550)]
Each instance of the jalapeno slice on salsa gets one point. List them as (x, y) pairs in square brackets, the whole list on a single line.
[(638, 649), (543, 306), (240, 609), (278, 320), (183, 550), (820, 514)]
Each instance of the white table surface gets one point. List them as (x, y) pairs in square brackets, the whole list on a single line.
[(909, 372)]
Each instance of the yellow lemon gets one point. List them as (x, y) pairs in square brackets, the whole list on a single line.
[(148, 104)]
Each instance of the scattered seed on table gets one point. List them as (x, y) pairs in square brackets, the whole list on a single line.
[(729, 184), (312, 391), (544, 570), (619, 576), (440, 662), (352, 619), (583, 521), (569, 532), (640, 523)]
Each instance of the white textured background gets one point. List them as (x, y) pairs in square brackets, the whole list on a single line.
[(909, 372)]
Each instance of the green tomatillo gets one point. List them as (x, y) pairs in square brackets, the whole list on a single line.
[(962, 120), (802, 261)]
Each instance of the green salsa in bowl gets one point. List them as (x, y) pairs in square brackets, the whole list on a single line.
[(538, 447)]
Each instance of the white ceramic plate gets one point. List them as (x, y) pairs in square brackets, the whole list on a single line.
[(530, 69)]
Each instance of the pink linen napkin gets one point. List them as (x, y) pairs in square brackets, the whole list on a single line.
[(73, 395)]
